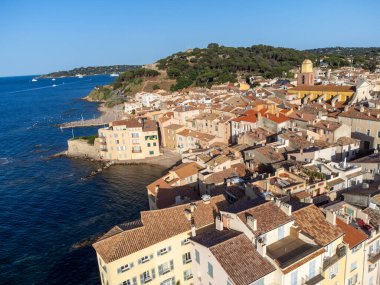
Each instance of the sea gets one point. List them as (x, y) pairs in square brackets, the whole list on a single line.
[(46, 208)]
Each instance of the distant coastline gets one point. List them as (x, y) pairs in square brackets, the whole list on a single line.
[(90, 71)]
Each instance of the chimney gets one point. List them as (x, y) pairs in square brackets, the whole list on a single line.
[(346, 108), (286, 208), (188, 214), (193, 230), (218, 223), (361, 108), (193, 206), (331, 217), (252, 222), (328, 125), (157, 188), (301, 151)]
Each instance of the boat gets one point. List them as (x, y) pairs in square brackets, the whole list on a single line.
[(114, 75), (54, 85), (53, 79), (79, 75), (34, 80)]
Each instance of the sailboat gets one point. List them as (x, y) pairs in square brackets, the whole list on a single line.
[(34, 80), (114, 75)]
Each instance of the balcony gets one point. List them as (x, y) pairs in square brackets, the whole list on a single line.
[(340, 253), (136, 151), (373, 257), (188, 277), (315, 280)]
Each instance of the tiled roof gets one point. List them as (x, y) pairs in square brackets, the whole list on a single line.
[(219, 177), (237, 255), (186, 169), (158, 226), (198, 135), (312, 221), (352, 235), (374, 216), (268, 216), (325, 88)]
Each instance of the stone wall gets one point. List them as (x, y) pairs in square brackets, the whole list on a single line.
[(80, 148)]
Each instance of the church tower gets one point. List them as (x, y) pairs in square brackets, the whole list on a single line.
[(306, 76)]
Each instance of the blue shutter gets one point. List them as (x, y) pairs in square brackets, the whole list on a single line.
[(131, 265), (119, 270), (140, 261), (142, 279), (158, 253), (171, 264), (134, 281), (151, 256), (153, 273), (160, 270), (169, 248), (183, 258)]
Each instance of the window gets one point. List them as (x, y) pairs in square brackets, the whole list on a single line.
[(185, 241), (129, 282), (312, 268), (197, 257), (165, 267), (145, 259), (353, 280), (154, 144), (146, 277), (368, 132), (378, 134), (148, 144), (170, 281), (293, 278), (135, 135), (125, 267), (333, 271), (164, 250), (210, 270), (151, 152), (186, 258), (187, 274), (281, 232), (354, 265)]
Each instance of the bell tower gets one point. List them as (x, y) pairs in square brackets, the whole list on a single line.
[(306, 76)]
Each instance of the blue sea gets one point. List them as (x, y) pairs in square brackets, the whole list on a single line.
[(45, 206)]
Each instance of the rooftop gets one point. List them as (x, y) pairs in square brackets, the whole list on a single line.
[(289, 250)]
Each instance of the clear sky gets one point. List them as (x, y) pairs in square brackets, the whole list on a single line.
[(44, 36)]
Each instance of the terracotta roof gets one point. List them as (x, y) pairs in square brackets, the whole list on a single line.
[(158, 226), (352, 235), (219, 177), (268, 215), (173, 127), (148, 125), (325, 88), (186, 169), (374, 216), (326, 125), (198, 135), (313, 222), (237, 255)]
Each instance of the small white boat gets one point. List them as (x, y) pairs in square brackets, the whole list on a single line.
[(34, 80), (114, 75), (53, 79), (79, 75), (54, 85)]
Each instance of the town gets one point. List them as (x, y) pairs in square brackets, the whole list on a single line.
[(278, 182)]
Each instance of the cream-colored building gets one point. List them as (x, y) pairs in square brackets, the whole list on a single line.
[(156, 248), (129, 139)]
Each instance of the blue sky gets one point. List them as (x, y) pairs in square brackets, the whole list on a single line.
[(44, 36)]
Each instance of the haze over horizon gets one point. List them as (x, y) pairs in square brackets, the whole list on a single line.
[(41, 36)]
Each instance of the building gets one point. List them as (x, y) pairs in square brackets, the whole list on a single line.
[(155, 249), (129, 139), (306, 76)]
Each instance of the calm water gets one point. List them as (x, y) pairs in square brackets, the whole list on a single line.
[(45, 207)]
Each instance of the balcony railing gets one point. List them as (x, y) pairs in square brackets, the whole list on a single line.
[(374, 257), (340, 252), (136, 151), (188, 277)]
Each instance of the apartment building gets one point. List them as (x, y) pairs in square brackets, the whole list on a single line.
[(129, 139), (365, 125), (155, 249)]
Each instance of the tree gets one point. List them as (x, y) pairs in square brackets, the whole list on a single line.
[(156, 87)]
